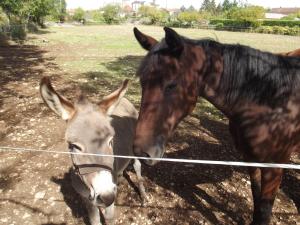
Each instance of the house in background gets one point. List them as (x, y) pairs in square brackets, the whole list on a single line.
[(135, 5), (278, 13)]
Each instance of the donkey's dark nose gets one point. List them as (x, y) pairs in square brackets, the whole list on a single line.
[(106, 199)]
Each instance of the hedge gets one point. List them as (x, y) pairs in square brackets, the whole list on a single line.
[(257, 23), (236, 23), (281, 23)]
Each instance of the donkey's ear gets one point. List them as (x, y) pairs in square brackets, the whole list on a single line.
[(54, 101), (145, 41), (174, 42), (110, 101)]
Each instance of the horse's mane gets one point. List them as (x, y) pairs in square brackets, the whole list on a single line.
[(249, 74), (254, 75)]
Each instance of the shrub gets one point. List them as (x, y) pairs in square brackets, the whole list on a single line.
[(3, 18), (219, 26), (111, 14), (146, 21), (79, 15), (18, 32), (157, 16), (242, 23), (97, 16), (249, 13), (289, 23), (189, 17), (174, 22), (278, 30)]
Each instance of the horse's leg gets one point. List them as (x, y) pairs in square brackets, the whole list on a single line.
[(254, 173), (137, 169), (255, 179), (270, 182), (109, 214)]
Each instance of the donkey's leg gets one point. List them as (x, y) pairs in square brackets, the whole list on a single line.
[(109, 214), (137, 169), (270, 182), (93, 212)]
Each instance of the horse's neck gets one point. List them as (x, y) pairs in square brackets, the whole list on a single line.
[(256, 77)]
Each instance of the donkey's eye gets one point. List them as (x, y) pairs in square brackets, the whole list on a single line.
[(74, 147), (170, 87)]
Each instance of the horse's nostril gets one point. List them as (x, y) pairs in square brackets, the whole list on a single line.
[(137, 151), (146, 155)]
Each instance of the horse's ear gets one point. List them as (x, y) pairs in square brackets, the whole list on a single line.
[(174, 41), (109, 102), (145, 41), (58, 104)]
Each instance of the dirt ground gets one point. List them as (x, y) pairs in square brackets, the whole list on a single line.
[(35, 187)]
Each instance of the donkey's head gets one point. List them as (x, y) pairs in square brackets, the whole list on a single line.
[(89, 131), (170, 77)]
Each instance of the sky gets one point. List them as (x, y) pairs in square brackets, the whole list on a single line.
[(94, 4)]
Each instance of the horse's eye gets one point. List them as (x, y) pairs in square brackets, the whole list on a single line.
[(74, 147), (170, 87)]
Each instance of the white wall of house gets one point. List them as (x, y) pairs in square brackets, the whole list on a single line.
[(274, 15)]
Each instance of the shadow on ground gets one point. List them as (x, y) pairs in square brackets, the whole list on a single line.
[(19, 63), (116, 71), (71, 198), (184, 179)]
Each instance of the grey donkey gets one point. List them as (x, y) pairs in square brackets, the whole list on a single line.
[(108, 128)]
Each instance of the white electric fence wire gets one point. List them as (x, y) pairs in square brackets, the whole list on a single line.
[(192, 161)]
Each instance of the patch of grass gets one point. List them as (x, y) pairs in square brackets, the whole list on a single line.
[(98, 58)]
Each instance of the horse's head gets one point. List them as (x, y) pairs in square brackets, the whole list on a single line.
[(89, 131), (171, 77)]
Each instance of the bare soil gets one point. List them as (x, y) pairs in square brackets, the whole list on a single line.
[(35, 187)]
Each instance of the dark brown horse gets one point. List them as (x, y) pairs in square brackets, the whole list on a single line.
[(292, 53), (177, 70)]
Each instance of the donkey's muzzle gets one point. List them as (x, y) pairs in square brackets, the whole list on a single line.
[(105, 199)]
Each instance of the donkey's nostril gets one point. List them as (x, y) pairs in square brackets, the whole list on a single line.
[(99, 200), (107, 199)]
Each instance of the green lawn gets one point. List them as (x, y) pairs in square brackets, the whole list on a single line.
[(99, 57)]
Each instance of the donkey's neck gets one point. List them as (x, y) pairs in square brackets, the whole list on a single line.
[(250, 75)]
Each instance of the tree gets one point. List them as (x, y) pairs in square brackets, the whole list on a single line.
[(219, 8), (182, 8), (79, 15), (227, 5), (205, 5), (11, 7), (209, 6), (29, 10), (59, 10), (38, 9), (191, 9)]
